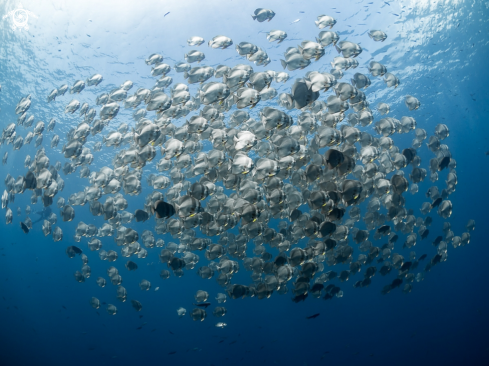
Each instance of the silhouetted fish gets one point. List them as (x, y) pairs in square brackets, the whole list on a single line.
[(203, 305)]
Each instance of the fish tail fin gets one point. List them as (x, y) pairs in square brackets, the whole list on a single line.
[(284, 64), (254, 17)]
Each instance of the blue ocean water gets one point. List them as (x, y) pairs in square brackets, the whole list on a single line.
[(439, 51)]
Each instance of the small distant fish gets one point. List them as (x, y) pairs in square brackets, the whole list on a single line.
[(312, 316), (166, 14), (203, 305), (295, 21), (172, 352)]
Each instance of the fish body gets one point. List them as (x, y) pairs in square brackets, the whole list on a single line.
[(261, 15), (276, 35)]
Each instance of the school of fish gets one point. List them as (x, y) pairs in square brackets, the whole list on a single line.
[(293, 185)]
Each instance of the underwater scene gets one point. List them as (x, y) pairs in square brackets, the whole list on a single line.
[(244, 182)]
